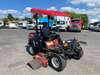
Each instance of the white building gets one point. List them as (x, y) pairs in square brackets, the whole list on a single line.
[(63, 22)]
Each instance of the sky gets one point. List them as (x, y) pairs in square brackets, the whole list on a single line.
[(17, 7)]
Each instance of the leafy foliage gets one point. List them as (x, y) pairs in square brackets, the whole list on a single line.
[(10, 17), (28, 19)]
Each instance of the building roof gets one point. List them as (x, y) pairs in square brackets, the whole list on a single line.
[(49, 12)]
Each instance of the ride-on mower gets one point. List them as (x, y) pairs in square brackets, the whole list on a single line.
[(53, 52)]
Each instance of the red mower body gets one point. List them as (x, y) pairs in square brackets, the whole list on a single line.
[(31, 35), (52, 44), (42, 59)]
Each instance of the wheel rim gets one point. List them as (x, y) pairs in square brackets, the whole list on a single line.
[(31, 50), (55, 62)]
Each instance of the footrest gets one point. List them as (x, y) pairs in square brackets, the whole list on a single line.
[(34, 64)]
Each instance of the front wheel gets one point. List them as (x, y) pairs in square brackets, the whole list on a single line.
[(78, 53), (30, 50), (57, 62)]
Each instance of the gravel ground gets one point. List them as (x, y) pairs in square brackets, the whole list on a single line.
[(13, 57)]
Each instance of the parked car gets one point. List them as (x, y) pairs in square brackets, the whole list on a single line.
[(22, 25), (94, 26), (1, 24), (30, 26), (12, 26)]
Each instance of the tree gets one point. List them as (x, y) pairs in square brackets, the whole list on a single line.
[(10, 17), (5, 20), (83, 17), (28, 19), (16, 19), (74, 15)]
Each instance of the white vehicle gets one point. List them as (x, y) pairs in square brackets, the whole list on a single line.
[(62, 22), (1, 23), (30, 26), (13, 25), (22, 24)]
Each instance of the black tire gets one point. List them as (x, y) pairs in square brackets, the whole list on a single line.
[(78, 53), (30, 48), (57, 62), (79, 30)]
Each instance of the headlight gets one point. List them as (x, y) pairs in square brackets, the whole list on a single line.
[(91, 25), (69, 41)]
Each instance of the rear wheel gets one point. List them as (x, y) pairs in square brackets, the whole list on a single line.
[(78, 53), (57, 62)]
